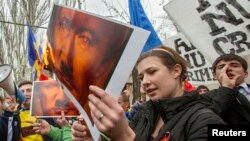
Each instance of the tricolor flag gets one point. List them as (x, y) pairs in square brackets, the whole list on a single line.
[(33, 53), (138, 18)]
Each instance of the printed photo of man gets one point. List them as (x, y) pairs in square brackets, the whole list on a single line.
[(85, 50), (48, 100)]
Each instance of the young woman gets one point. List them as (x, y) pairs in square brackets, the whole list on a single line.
[(171, 113)]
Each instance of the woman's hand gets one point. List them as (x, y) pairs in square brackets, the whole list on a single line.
[(108, 115)]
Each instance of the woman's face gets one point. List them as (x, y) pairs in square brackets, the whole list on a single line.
[(157, 80)]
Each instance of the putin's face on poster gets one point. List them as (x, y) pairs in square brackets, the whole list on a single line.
[(85, 50)]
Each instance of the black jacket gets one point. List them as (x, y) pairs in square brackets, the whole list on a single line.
[(14, 120), (184, 117), (225, 102)]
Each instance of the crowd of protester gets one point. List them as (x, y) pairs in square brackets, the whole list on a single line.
[(171, 111)]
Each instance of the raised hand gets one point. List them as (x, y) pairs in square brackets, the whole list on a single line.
[(79, 131), (226, 77), (62, 121), (41, 127)]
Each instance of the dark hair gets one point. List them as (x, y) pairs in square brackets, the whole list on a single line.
[(23, 82), (168, 57), (124, 97), (202, 87), (230, 57)]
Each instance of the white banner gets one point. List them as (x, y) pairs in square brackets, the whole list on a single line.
[(199, 68), (215, 27)]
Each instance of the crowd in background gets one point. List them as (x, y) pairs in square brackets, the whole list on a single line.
[(164, 109)]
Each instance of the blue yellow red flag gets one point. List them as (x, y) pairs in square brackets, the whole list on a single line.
[(138, 18), (34, 53), (32, 48), (40, 50)]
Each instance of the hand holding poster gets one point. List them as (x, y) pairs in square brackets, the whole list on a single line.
[(91, 50)]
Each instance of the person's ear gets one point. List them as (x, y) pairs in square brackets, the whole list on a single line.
[(215, 76), (246, 74), (176, 71)]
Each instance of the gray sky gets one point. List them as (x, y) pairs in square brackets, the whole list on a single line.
[(153, 9)]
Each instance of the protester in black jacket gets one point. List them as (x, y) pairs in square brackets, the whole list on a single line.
[(170, 112), (9, 121), (184, 118), (230, 70)]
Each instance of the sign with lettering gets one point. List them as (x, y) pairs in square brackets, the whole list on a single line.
[(215, 27), (199, 68)]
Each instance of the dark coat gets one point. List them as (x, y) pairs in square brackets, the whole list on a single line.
[(184, 117), (14, 120), (227, 103)]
